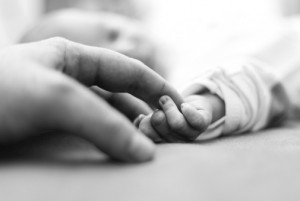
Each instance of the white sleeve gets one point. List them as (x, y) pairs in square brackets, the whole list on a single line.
[(257, 91), (247, 90)]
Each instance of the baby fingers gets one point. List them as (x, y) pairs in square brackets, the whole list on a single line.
[(160, 123), (172, 123), (144, 125), (197, 118)]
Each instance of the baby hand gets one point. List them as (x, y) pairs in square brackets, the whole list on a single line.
[(173, 125)]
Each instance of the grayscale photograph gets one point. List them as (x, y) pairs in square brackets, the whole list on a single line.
[(149, 100)]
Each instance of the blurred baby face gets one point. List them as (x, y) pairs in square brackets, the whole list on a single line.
[(106, 30), (126, 36)]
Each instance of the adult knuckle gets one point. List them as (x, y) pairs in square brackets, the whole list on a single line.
[(60, 44), (57, 40)]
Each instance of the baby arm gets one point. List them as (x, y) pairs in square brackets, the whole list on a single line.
[(185, 124), (246, 97), (260, 90)]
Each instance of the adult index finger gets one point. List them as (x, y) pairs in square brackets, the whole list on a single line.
[(114, 72)]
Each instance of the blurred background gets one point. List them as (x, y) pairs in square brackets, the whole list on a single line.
[(185, 35)]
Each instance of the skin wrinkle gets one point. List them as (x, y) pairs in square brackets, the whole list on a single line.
[(73, 62), (89, 76), (60, 44), (97, 75), (98, 80)]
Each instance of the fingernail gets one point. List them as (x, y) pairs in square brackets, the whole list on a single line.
[(141, 149), (163, 100)]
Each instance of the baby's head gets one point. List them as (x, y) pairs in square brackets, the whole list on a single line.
[(106, 30)]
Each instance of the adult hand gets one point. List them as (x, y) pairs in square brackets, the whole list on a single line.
[(42, 87)]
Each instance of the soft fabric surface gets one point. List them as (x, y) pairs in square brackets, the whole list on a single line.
[(260, 166)]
